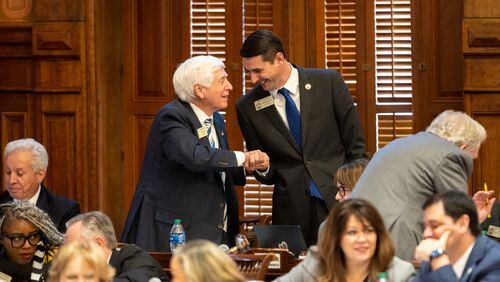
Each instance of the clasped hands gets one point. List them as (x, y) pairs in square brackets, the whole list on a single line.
[(256, 160)]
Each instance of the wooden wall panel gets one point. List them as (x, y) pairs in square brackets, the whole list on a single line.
[(58, 75), (481, 36), (16, 74), (485, 108), (57, 39), (13, 126), (437, 59), (59, 138), (153, 60), (59, 10), (481, 43), (482, 74)]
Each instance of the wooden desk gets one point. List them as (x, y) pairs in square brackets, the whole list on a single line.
[(277, 267)]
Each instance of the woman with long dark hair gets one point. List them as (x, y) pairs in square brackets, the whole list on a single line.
[(353, 246)]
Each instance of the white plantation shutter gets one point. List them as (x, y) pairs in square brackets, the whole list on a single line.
[(393, 71)]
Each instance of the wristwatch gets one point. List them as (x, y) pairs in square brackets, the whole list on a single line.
[(437, 253)]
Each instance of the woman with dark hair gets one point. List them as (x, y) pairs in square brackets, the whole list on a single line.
[(28, 239), (353, 246)]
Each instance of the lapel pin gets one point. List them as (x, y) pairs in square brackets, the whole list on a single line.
[(307, 86)]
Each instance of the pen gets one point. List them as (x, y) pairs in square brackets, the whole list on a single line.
[(485, 187)]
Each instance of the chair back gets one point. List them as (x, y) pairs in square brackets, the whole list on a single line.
[(253, 266)]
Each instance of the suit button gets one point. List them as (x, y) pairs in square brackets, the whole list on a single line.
[(221, 205), (220, 226)]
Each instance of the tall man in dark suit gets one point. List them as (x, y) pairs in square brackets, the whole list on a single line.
[(188, 171), (306, 121), (26, 163)]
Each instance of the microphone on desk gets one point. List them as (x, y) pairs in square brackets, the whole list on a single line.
[(241, 243), (224, 247)]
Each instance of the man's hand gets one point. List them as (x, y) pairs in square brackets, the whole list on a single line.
[(256, 160), (483, 203), (426, 246)]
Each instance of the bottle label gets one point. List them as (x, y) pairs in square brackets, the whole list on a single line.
[(177, 238)]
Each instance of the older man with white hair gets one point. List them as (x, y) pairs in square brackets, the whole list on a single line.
[(26, 163), (406, 172), (189, 171)]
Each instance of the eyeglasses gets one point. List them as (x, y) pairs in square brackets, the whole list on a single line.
[(18, 240), (341, 189)]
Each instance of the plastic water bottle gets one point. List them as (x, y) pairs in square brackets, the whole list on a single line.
[(382, 277), (177, 235)]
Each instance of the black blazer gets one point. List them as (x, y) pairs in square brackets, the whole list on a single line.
[(331, 135), (59, 208), (180, 179), (134, 264)]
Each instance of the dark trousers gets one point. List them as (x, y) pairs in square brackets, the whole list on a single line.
[(318, 214)]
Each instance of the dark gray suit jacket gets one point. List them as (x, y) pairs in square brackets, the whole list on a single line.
[(331, 135), (401, 176), (180, 179)]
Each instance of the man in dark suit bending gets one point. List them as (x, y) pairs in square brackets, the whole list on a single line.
[(26, 163), (306, 121), (189, 171)]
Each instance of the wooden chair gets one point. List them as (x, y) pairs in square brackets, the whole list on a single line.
[(253, 266)]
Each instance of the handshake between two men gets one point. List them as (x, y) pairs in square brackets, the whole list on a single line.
[(256, 160)]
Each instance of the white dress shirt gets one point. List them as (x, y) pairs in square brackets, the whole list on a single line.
[(459, 265), (292, 85), (33, 199)]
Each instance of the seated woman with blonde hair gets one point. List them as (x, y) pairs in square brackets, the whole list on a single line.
[(347, 176), (353, 246), (80, 261), (28, 240), (203, 261)]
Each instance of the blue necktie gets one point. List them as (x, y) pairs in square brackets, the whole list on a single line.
[(293, 116), (295, 125)]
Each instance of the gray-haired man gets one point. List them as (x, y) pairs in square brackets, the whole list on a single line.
[(131, 262)]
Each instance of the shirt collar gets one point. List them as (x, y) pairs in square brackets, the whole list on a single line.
[(292, 84), (200, 114), (33, 199)]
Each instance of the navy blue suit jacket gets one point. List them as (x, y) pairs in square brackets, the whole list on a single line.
[(483, 265), (180, 178), (59, 208)]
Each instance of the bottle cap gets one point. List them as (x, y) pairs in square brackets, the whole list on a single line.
[(382, 275), (177, 221)]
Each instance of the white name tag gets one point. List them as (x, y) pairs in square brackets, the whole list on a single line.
[(493, 231), (264, 103), (4, 277), (202, 132)]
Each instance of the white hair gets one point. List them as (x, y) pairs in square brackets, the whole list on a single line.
[(195, 70), (458, 128), (39, 156)]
